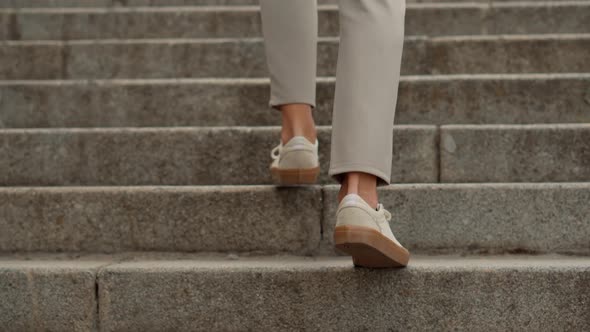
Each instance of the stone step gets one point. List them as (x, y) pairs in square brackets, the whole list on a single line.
[(187, 218), (167, 3), (181, 58), (427, 218), (48, 294), (240, 155), (187, 293), (178, 156), (244, 21), (440, 99), (514, 153)]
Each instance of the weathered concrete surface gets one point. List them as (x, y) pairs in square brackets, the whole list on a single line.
[(481, 218), (164, 3), (244, 21), (453, 99), (114, 219), (237, 155), (154, 292), (47, 295), (328, 294), (495, 99), (136, 3), (515, 153), (428, 218), (179, 156), (173, 58), (508, 54)]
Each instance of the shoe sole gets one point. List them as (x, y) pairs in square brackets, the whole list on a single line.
[(369, 248), (295, 176)]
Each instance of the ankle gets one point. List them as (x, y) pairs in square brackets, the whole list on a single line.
[(362, 184), (297, 120)]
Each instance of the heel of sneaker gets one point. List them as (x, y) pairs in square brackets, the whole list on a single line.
[(295, 176), (369, 248)]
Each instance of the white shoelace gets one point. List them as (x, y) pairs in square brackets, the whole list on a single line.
[(276, 151), (385, 212)]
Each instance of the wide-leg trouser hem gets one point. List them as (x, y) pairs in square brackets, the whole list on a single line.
[(337, 172)]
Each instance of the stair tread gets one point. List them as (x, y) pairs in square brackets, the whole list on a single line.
[(234, 261)]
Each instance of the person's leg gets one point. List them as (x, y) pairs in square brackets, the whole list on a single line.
[(367, 78), (297, 120), (363, 184), (290, 33)]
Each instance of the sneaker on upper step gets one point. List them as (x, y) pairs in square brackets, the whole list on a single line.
[(365, 234), (296, 162)]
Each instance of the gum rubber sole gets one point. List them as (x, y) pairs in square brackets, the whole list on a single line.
[(369, 248), (296, 176)]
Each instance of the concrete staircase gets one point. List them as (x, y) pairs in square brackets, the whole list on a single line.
[(134, 142)]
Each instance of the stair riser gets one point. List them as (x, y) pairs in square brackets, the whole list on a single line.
[(490, 218), (441, 100), (194, 22), (481, 218), (245, 58), (48, 296), (186, 219), (215, 156), (344, 298), (286, 293), (512, 154), (178, 156)]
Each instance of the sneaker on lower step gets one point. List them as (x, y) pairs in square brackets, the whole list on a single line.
[(295, 162), (364, 233)]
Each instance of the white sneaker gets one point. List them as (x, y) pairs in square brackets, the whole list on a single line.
[(364, 233), (295, 162)]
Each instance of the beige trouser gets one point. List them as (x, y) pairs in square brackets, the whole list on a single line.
[(367, 75)]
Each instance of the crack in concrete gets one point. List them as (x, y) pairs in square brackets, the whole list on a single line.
[(97, 290), (13, 30), (437, 153)]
